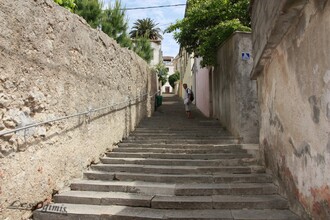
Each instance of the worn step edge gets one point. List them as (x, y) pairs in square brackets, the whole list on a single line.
[(173, 202), (181, 137), (179, 134), (197, 132), (180, 162), (181, 145), (178, 155), (185, 140), (253, 214), (177, 150), (150, 188), (220, 202), (164, 169), (179, 130), (104, 198), (94, 212), (172, 178)]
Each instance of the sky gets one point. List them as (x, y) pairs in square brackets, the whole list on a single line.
[(162, 16)]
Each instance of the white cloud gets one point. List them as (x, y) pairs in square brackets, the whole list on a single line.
[(163, 16)]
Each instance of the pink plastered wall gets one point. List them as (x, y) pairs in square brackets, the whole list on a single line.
[(203, 90)]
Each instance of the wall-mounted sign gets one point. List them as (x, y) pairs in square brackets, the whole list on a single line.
[(246, 56)]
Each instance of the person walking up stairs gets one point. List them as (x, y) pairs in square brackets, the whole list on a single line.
[(174, 168)]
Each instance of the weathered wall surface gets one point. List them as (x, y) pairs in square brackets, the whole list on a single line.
[(268, 31), (186, 64), (294, 93), (52, 64), (234, 94), (202, 99)]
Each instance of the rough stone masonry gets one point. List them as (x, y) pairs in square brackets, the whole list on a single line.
[(53, 64)]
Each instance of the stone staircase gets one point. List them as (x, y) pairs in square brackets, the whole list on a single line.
[(171, 167)]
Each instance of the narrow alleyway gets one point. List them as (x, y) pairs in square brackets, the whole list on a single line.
[(172, 167)]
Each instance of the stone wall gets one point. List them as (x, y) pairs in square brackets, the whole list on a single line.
[(234, 94), (294, 95), (52, 64)]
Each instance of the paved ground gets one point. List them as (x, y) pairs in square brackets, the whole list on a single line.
[(173, 107), (172, 167)]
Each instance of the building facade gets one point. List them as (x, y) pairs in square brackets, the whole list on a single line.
[(168, 62)]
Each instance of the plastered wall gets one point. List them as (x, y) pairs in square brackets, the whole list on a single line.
[(203, 83), (234, 93), (294, 96)]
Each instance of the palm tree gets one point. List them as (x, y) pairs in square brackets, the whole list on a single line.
[(146, 28)]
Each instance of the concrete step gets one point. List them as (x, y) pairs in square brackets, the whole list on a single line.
[(178, 155), (219, 202), (176, 134), (174, 150), (178, 131), (249, 148), (104, 198), (252, 149), (98, 212), (174, 168), (177, 178), (173, 202), (181, 146), (180, 162), (178, 189), (137, 168), (228, 140), (179, 121), (179, 137), (176, 123)]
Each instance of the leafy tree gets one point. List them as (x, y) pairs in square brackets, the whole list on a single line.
[(208, 23), (173, 78), (162, 72), (112, 21), (114, 24), (146, 27), (143, 48), (68, 4), (90, 10)]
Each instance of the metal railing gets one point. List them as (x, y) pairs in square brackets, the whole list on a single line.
[(88, 112)]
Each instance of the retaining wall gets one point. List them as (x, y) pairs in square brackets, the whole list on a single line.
[(53, 64)]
